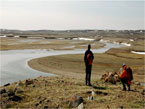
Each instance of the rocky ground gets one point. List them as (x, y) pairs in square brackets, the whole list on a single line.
[(61, 92)]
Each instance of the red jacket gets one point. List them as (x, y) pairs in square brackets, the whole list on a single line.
[(125, 75)]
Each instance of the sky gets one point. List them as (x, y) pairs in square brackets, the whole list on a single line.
[(72, 14)]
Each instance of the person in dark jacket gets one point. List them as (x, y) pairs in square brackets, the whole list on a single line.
[(88, 59)]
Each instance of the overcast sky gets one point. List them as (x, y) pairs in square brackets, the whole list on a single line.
[(71, 14)]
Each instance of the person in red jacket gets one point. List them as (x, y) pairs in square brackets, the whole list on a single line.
[(125, 77)]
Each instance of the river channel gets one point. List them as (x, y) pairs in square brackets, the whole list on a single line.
[(14, 63)]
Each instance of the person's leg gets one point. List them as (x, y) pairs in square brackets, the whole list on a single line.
[(128, 84), (123, 83), (86, 76), (89, 76), (128, 87)]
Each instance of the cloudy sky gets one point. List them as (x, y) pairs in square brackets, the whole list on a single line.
[(72, 14)]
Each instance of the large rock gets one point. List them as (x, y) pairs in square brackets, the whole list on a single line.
[(15, 98), (75, 101), (2, 91), (110, 77), (11, 92), (81, 106)]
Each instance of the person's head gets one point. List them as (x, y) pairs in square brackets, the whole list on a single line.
[(124, 66), (89, 47)]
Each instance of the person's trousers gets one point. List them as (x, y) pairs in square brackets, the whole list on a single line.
[(125, 82), (88, 74)]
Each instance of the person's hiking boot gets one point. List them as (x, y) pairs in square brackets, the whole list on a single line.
[(90, 85), (129, 88), (124, 89)]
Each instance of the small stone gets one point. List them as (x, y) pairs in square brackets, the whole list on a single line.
[(36, 104), (28, 82), (91, 98), (93, 93), (121, 107), (19, 91), (108, 106), (2, 91), (45, 107), (33, 86)]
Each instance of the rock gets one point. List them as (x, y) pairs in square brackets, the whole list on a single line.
[(81, 106), (15, 98), (18, 90), (75, 101), (36, 104), (91, 98), (33, 86), (143, 92), (28, 82), (108, 106), (45, 107), (11, 92), (93, 93), (7, 84), (2, 91), (121, 107)]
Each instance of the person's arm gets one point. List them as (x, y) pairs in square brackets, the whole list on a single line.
[(85, 57), (92, 55), (123, 74)]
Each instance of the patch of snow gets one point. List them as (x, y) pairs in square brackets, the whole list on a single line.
[(102, 40), (3, 36), (116, 43), (138, 52), (131, 40), (126, 44), (16, 36), (87, 39)]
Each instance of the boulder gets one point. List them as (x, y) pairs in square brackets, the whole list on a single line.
[(15, 98), (10, 92), (110, 77), (2, 91), (75, 101), (81, 106)]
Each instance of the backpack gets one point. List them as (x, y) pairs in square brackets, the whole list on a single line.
[(89, 59), (130, 73)]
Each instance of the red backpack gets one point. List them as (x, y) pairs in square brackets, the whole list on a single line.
[(89, 58), (129, 73)]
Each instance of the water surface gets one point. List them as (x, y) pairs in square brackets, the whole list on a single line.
[(14, 65)]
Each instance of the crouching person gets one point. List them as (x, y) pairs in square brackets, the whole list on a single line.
[(126, 77)]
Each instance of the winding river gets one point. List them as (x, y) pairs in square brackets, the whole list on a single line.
[(14, 65)]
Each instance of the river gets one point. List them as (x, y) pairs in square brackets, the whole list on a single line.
[(14, 65)]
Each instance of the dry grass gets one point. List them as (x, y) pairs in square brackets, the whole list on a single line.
[(57, 92)]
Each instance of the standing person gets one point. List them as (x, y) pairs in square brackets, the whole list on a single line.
[(88, 59), (126, 77)]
